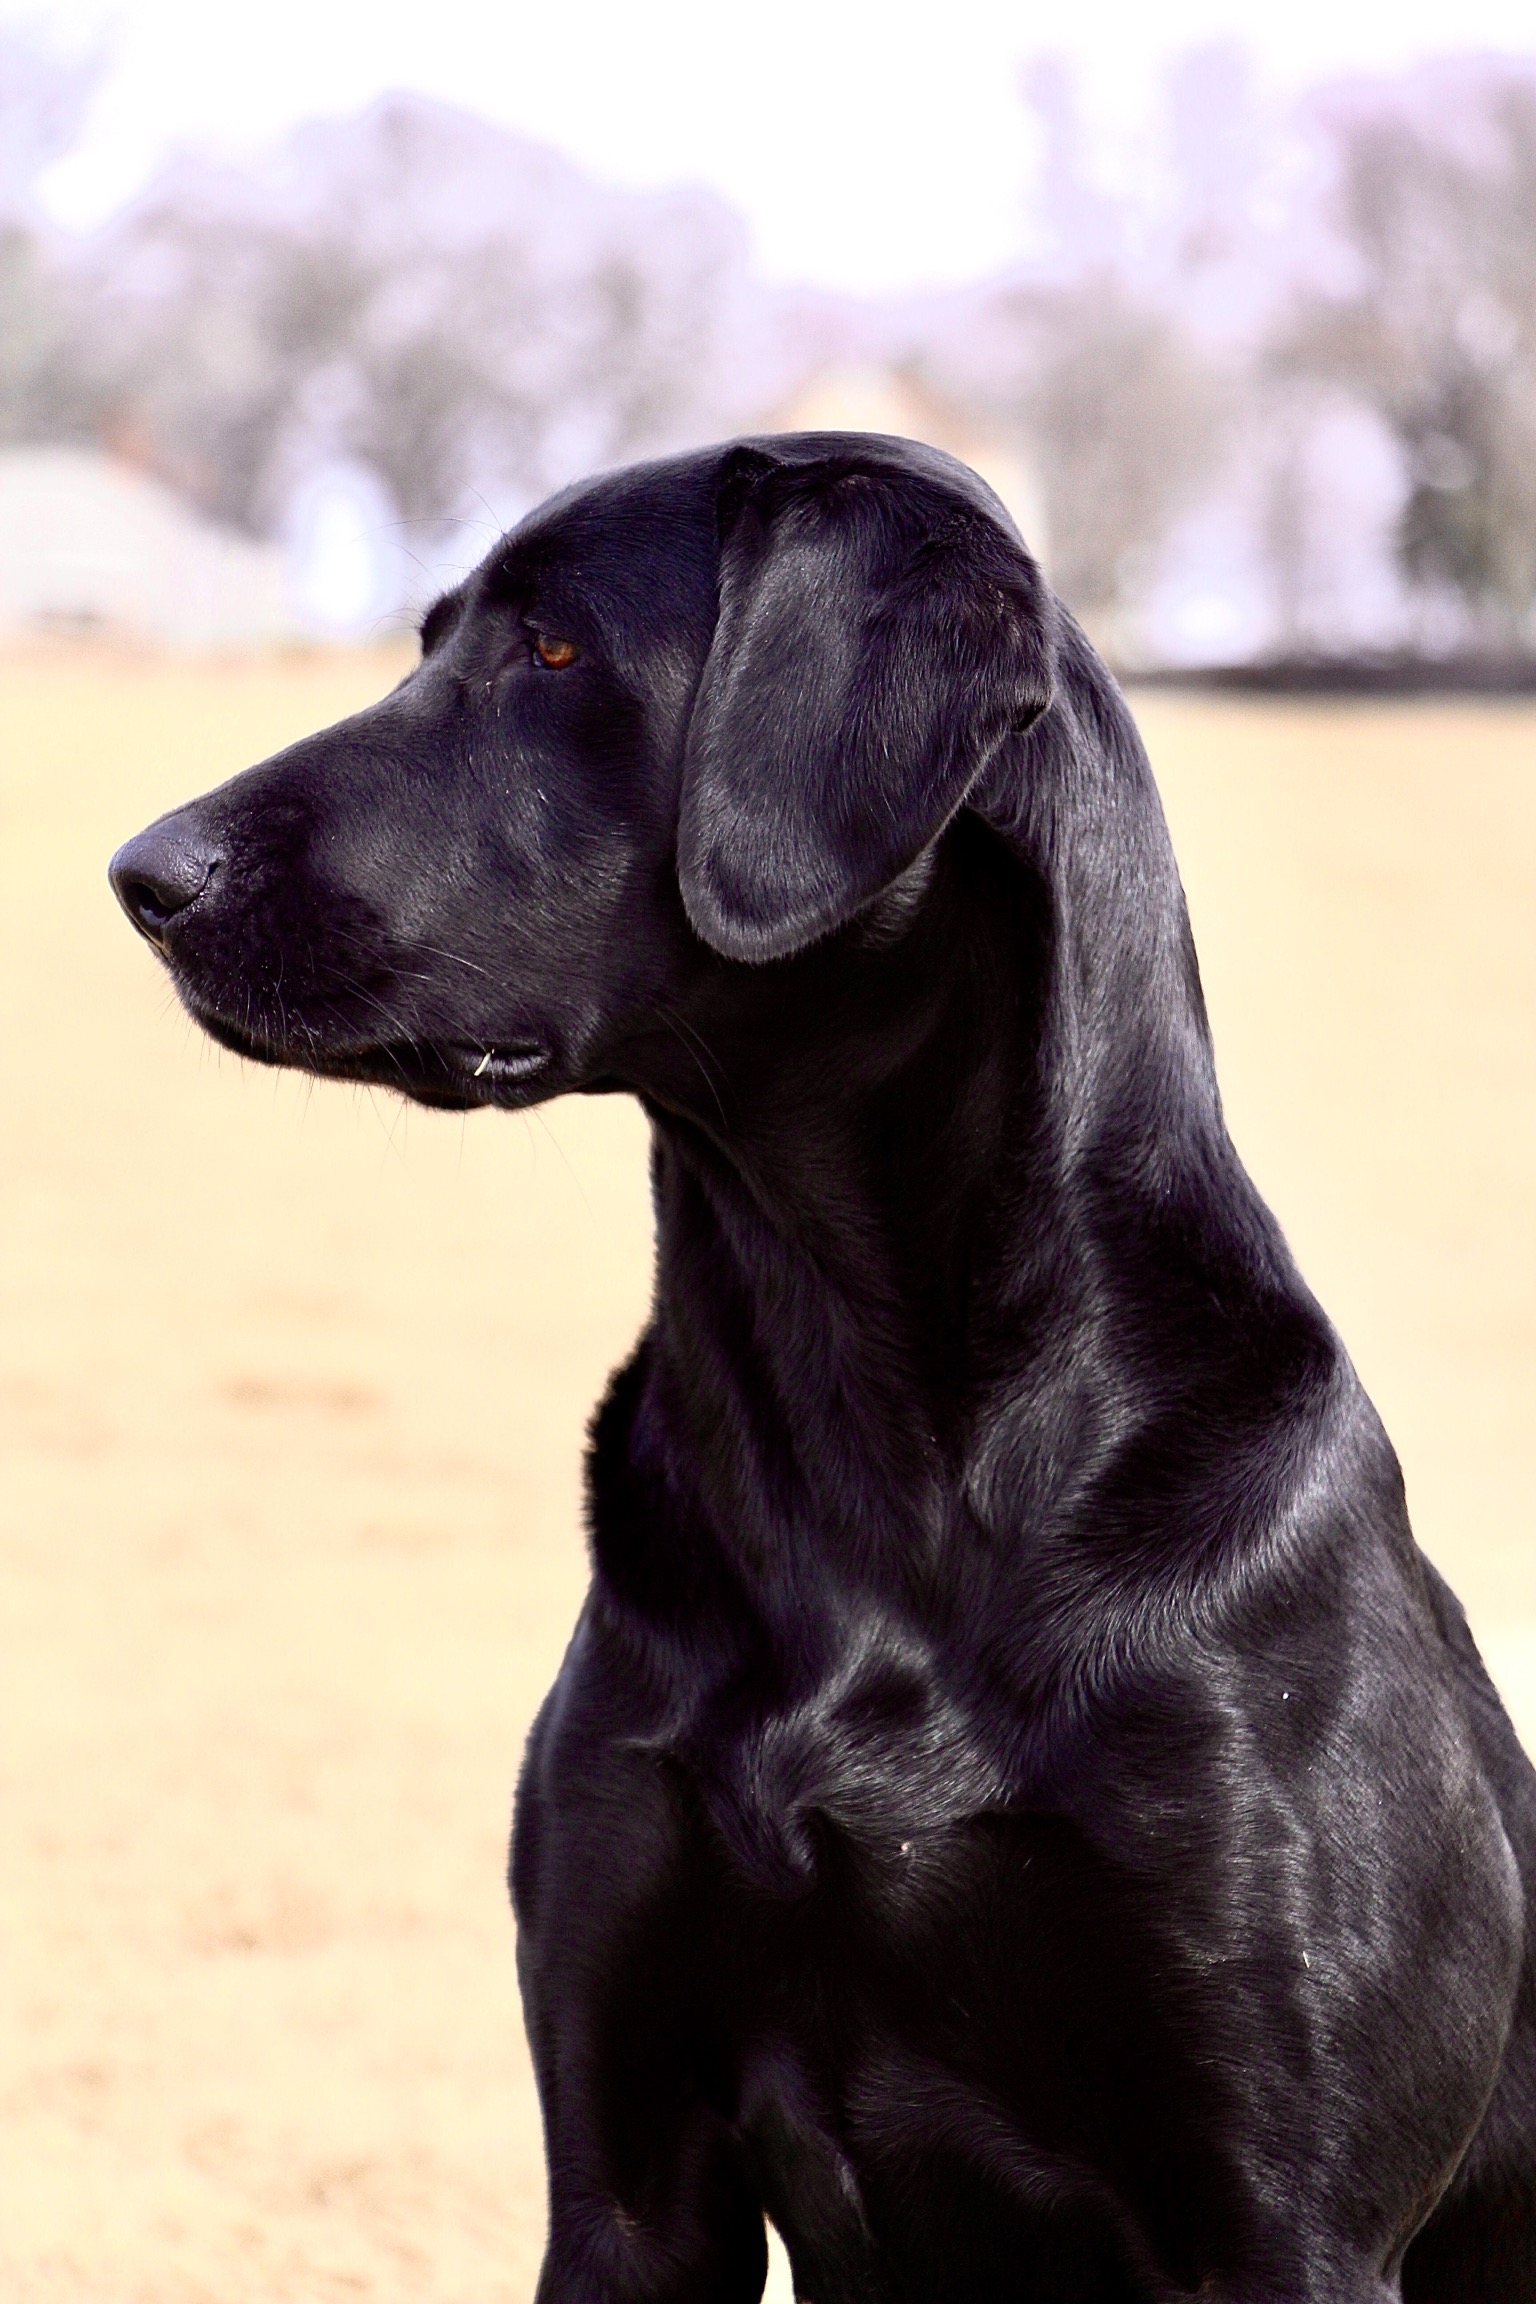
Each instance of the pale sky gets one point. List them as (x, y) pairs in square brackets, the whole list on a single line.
[(871, 147)]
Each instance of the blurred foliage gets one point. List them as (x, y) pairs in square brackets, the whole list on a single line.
[(1119, 410), (476, 321), (1438, 333), (462, 312), (50, 389)]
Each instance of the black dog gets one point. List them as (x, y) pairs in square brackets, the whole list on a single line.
[(1017, 1807)]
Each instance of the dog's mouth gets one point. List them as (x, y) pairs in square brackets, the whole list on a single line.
[(449, 1075)]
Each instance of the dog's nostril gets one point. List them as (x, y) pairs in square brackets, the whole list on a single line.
[(145, 902), (158, 874)]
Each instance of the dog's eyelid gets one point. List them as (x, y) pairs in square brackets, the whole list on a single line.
[(436, 622)]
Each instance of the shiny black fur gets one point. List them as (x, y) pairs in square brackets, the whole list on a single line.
[(1017, 1807)]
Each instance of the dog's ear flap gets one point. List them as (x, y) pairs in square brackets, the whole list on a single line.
[(880, 632)]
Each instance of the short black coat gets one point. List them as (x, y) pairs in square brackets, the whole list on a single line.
[(1017, 1807)]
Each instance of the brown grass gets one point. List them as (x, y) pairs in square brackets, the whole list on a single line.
[(295, 1384)]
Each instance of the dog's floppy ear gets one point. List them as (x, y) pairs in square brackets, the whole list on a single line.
[(879, 634)]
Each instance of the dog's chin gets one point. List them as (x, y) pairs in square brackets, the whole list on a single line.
[(445, 1075)]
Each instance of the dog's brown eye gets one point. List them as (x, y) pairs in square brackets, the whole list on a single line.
[(555, 653)]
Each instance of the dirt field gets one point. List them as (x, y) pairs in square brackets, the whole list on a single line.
[(295, 1383)]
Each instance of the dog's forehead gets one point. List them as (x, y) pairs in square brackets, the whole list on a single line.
[(634, 554), (637, 548)]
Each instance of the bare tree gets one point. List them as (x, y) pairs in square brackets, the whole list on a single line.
[(1437, 208), (466, 313), (50, 387), (1122, 412), (1087, 360), (1115, 408)]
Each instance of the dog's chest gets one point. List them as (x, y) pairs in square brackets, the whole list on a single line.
[(869, 1760), (926, 2039)]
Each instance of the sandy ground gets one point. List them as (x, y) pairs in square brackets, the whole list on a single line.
[(295, 1381)]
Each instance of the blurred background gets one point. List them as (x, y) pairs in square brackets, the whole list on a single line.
[(314, 304), (299, 307)]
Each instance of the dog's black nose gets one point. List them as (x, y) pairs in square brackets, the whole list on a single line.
[(158, 873)]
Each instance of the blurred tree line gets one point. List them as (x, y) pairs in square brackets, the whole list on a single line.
[(1436, 329), (46, 352), (461, 311), (473, 319)]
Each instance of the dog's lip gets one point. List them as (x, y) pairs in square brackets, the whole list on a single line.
[(470, 1063), (499, 1063), (460, 1073)]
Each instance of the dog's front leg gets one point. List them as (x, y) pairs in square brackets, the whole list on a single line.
[(649, 2197), (656, 2212)]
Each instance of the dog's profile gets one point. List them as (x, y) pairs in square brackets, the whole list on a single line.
[(1017, 1809)]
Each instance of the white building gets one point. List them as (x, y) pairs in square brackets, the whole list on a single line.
[(89, 545)]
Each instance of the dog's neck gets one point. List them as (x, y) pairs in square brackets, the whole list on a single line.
[(912, 1212)]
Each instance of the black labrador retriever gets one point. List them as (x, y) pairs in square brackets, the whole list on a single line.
[(1017, 1808)]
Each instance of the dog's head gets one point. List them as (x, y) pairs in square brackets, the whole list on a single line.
[(693, 717)]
